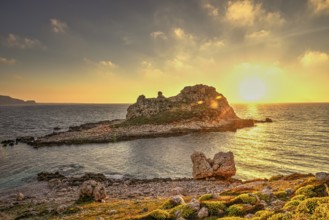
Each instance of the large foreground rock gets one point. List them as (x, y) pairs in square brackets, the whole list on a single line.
[(222, 166)]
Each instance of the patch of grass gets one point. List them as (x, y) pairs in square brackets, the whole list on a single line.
[(282, 216)]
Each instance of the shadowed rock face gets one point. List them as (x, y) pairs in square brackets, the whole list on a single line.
[(199, 101), (221, 166)]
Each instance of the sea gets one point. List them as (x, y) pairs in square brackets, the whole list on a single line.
[(297, 141)]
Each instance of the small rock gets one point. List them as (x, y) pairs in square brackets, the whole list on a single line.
[(178, 191), (20, 196), (194, 204), (93, 189), (61, 209), (249, 216), (177, 200), (203, 212), (111, 212), (322, 176)]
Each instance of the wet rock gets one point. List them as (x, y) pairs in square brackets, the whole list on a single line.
[(222, 166), (322, 176), (45, 176), (93, 189), (203, 212)]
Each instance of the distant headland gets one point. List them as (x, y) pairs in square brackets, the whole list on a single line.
[(7, 100)]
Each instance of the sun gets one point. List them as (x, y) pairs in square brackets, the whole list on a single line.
[(252, 89)]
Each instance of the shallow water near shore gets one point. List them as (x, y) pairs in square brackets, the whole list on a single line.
[(298, 141)]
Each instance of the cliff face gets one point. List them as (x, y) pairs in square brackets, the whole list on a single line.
[(200, 102)]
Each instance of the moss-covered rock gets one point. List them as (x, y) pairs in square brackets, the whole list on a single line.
[(244, 198), (307, 207), (282, 216), (263, 215), (184, 211), (282, 195), (237, 210), (206, 197), (157, 214), (215, 208)]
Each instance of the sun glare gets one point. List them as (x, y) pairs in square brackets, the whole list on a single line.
[(252, 89)]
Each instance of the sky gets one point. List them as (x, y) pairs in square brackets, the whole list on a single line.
[(78, 51)]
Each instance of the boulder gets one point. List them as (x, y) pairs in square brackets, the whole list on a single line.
[(20, 196), (203, 213), (322, 176), (201, 166), (93, 190), (222, 166)]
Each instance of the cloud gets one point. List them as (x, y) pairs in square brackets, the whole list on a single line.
[(245, 13), (158, 35), (101, 63), (211, 10), (16, 41), (319, 6), (258, 35), (7, 61), (58, 26), (314, 58), (180, 34), (211, 44)]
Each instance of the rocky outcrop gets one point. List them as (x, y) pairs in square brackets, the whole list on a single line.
[(93, 189), (7, 100), (222, 166), (199, 101), (198, 108)]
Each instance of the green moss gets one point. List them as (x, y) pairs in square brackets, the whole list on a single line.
[(265, 197), (231, 218), (244, 198), (185, 212), (236, 210), (283, 195), (298, 198), (308, 206), (215, 208), (206, 197), (276, 177), (263, 215), (281, 216), (307, 191), (291, 205), (155, 215), (321, 212), (167, 205)]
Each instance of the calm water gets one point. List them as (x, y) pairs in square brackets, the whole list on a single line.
[(298, 141)]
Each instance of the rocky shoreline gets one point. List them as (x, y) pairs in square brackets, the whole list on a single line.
[(55, 196)]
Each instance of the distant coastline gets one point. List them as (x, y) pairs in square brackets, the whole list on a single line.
[(7, 100)]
